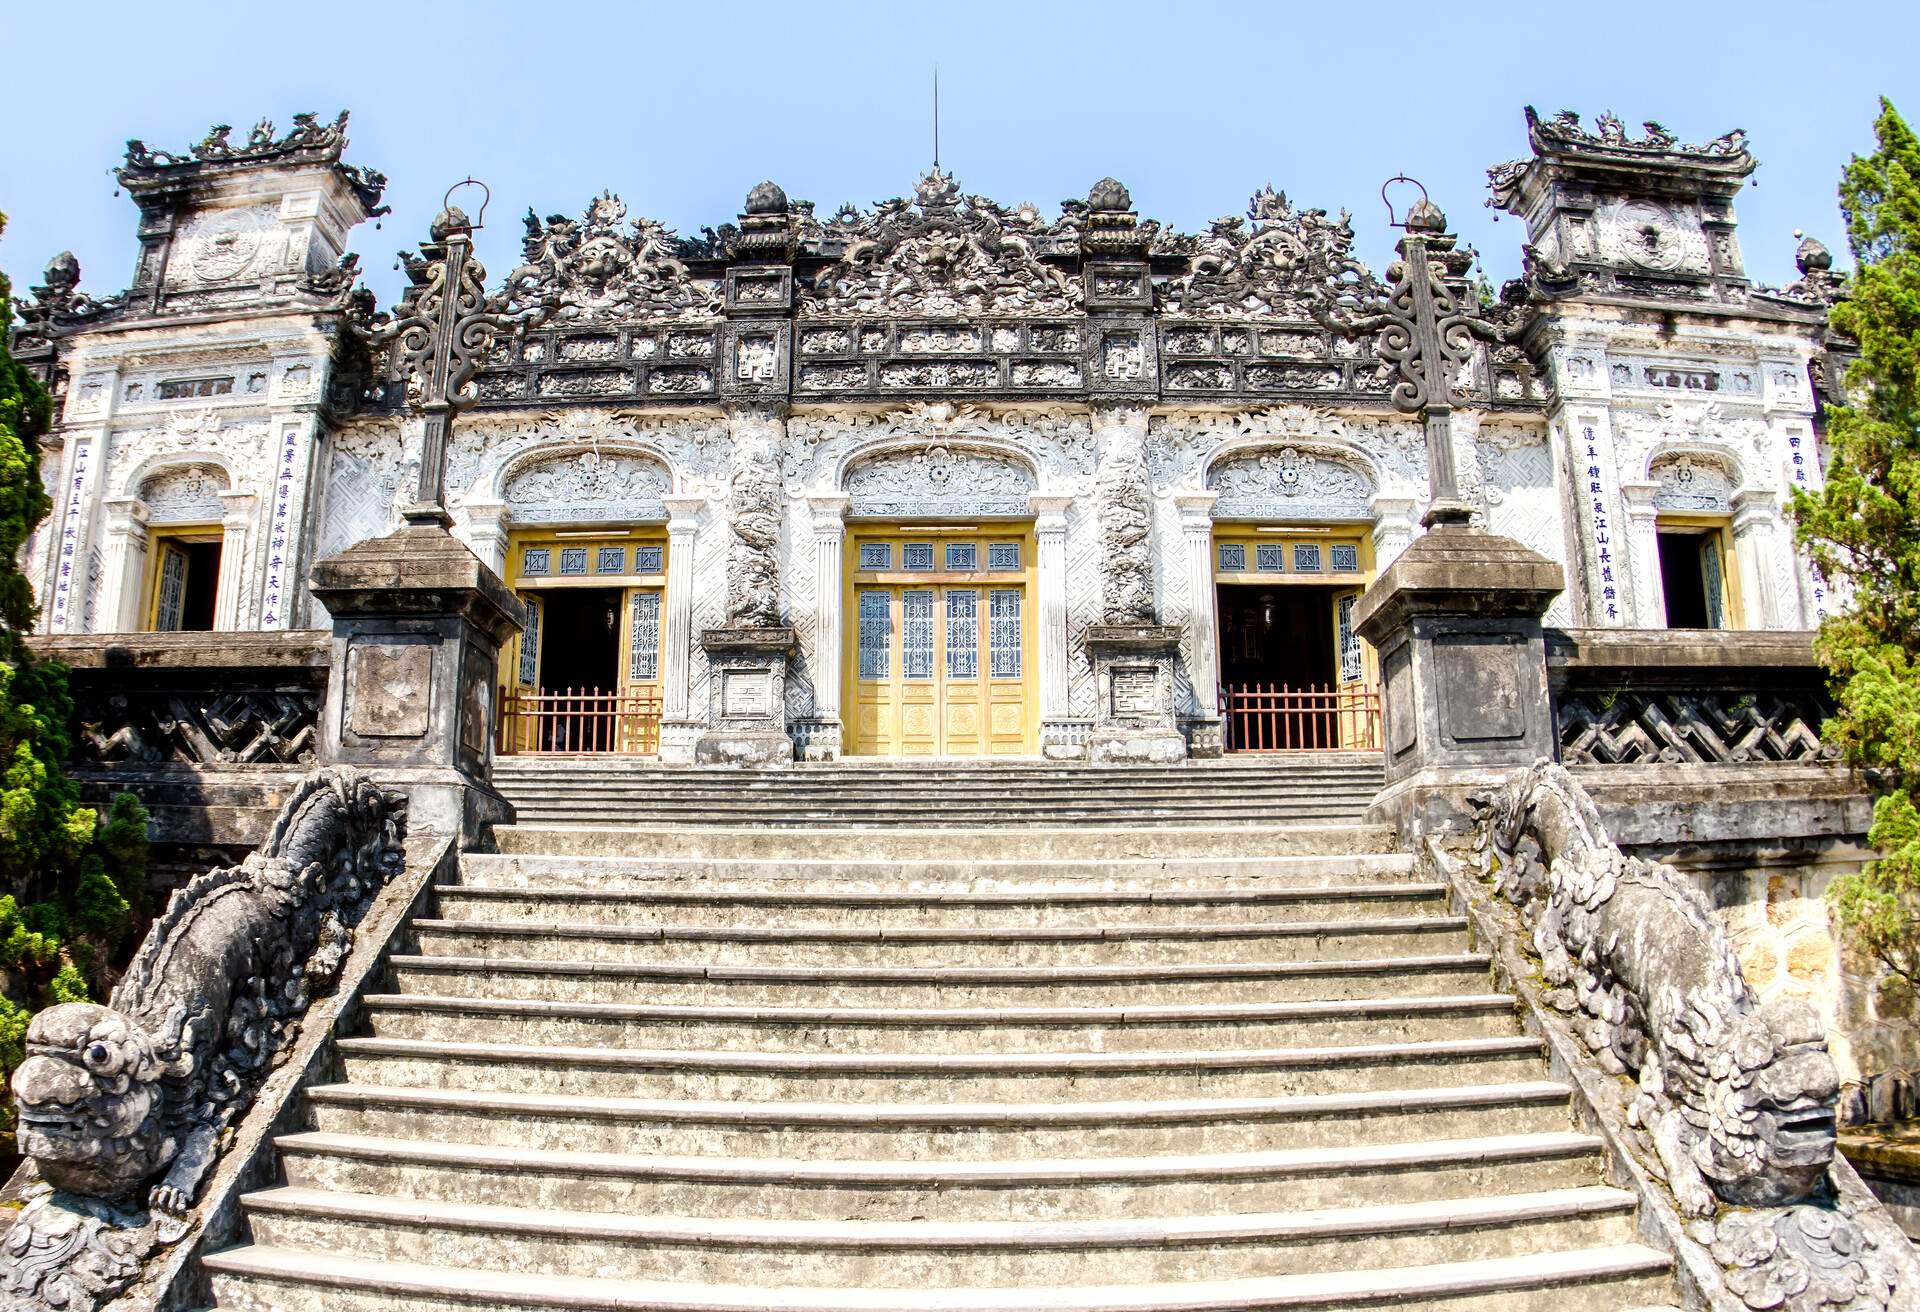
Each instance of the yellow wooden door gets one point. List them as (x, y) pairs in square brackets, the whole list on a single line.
[(640, 660), (963, 718), (918, 690), (875, 692), (1007, 671)]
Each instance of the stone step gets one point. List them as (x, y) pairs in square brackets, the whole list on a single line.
[(1200, 1028), (921, 873), (990, 784), (951, 1131), (1089, 842), (714, 905), (589, 814), (1074, 1188), (934, 1254), (908, 770), (1301, 940), (258, 1278), (932, 986), (969, 1077)]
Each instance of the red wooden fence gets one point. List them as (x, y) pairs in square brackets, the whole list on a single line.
[(581, 722), (1276, 717)]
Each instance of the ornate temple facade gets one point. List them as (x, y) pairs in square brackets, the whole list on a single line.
[(942, 441)]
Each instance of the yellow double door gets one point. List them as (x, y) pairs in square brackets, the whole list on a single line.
[(940, 670)]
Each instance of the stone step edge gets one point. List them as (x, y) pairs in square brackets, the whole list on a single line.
[(953, 1017), (1400, 861), (1159, 1231), (982, 1063), (1239, 833), (974, 1115), (1146, 972), (934, 1173), (1376, 1286), (943, 934), (931, 898)]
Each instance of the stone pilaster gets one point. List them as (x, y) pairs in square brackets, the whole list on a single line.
[(1642, 568), (125, 573), (677, 728), (1395, 525), (486, 532), (1058, 738), (1203, 667), (236, 525), (1756, 533), (826, 734)]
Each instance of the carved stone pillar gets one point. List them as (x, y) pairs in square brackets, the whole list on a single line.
[(1756, 516), (1126, 514), (747, 704), (826, 734), (1196, 541), (236, 525), (1059, 738), (1394, 519), (677, 729), (1642, 558), (125, 568), (487, 533)]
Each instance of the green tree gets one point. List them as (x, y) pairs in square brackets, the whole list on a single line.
[(71, 885), (1862, 529)]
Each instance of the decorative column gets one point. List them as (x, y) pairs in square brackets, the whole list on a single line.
[(487, 533), (1196, 540), (1061, 738), (677, 730), (826, 734), (1394, 522), (1756, 516), (236, 525), (1647, 600), (1133, 655), (747, 706), (125, 569)]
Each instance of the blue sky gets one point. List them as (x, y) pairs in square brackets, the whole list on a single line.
[(682, 108)]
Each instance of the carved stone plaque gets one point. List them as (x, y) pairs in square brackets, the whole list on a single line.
[(746, 694), (1479, 680), (1136, 691), (390, 690)]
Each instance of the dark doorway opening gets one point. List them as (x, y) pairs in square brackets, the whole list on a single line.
[(1683, 579), (1281, 636), (1279, 670), (202, 586), (581, 645)]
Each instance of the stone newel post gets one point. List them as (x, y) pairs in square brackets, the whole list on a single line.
[(418, 623), (1456, 621)]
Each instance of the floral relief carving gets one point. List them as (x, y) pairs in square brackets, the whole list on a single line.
[(589, 486), (185, 496), (1691, 483), (1289, 483), (943, 253), (1271, 263), (939, 481), (603, 267)]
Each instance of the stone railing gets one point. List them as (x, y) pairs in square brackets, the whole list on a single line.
[(1703, 697), (199, 699)]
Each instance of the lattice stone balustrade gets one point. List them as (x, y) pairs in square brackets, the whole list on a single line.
[(1623, 697)]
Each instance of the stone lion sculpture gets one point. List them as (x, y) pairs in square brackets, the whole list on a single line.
[(1736, 1097), (109, 1097)]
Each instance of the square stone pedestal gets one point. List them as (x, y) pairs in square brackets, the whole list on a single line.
[(1133, 680), (747, 715), (418, 623), (1456, 622)]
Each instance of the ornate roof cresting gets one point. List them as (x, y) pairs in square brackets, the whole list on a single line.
[(603, 267), (1608, 143), (944, 253), (1272, 262), (308, 142)]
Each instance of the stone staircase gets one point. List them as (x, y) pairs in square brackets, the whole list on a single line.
[(1151, 1067), (1322, 787)]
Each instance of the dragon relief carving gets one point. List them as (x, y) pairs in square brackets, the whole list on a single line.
[(1273, 263), (122, 1108), (753, 543), (1736, 1097), (602, 267), (1126, 511), (943, 253)]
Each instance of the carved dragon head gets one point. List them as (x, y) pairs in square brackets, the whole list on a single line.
[(89, 1099), (1772, 1107)]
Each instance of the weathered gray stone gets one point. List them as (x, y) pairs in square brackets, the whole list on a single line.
[(748, 721), (1133, 679)]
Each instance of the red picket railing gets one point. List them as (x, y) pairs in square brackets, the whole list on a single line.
[(1275, 717), (579, 722)]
